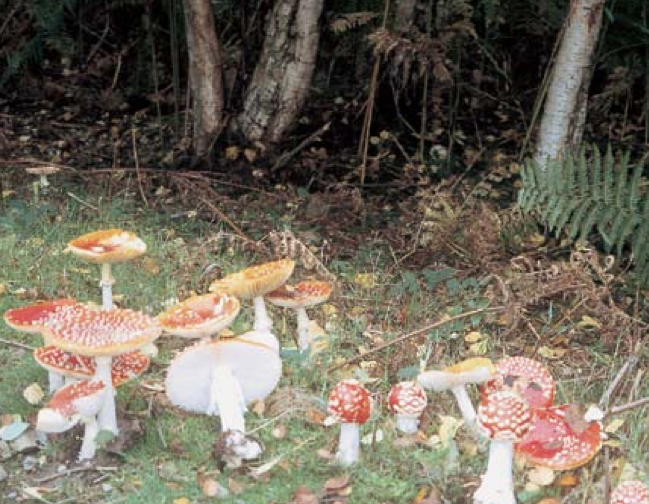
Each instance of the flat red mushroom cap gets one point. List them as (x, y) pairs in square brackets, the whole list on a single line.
[(303, 294), (32, 318), (349, 402), (561, 439), (65, 399), (200, 316), (527, 377), (504, 415), (107, 246), (630, 492), (407, 398)]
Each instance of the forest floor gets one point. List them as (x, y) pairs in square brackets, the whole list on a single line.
[(403, 255)]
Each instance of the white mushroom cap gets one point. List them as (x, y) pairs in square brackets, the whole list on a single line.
[(69, 403), (107, 246), (474, 370), (253, 359)]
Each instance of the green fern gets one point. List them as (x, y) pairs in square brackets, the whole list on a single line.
[(592, 192)]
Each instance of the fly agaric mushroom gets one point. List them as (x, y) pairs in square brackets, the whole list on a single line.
[(103, 334), (253, 283), (503, 417), (407, 400), (124, 367), (561, 438), (200, 316), (630, 492), (455, 378), (33, 318), (527, 377), (349, 405), (106, 247), (81, 400), (299, 297), (222, 376)]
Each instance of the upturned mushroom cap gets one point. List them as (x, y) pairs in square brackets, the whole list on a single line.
[(349, 402), (504, 415), (527, 377), (473, 370), (254, 362), (68, 403), (255, 280), (630, 492), (95, 332), (124, 367), (407, 398), (200, 316), (300, 295), (107, 246), (32, 318), (561, 438)]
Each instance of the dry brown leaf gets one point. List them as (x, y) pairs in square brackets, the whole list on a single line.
[(336, 484), (33, 394), (303, 495), (151, 266)]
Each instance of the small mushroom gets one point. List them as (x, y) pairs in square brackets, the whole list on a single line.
[(253, 283), (456, 378), (503, 417), (106, 247), (200, 316), (299, 297), (79, 401), (349, 405), (42, 171), (630, 492), (407, 400)]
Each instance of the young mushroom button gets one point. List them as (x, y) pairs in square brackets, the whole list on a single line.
[(504, 418), (407, 400), (349, 405), (630, 492)]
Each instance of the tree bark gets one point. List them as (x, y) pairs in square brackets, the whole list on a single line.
[(283, 74), (205, 74), (564, 114)]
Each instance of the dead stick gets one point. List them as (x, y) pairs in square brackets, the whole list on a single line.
[(400, 339), (225, 219), (68, 472), (286, 157), (16, 344), (630, 405)]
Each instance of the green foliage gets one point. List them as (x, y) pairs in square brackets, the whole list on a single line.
[(592, 192)]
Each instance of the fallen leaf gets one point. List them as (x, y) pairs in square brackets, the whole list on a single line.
[(151, 265), (212, 488), (552, 352), (587, 321), (336, 484), (33, 394), (13, 431), (541, 476), (567, 480), (182, 500), (614, 425), (303, 495), (232, 153), (473, 337), (365, 280), (279, 431)]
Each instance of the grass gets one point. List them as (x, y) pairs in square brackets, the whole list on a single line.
[(171, 452)]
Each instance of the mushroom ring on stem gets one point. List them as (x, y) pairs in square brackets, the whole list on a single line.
[(106, 247), (455, 378), (103, 334), (407, 400), (200, 316), (253, 283), (222, 376), (299, 297), (503, 417), (349, 404)]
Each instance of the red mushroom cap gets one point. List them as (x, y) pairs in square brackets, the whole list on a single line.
[(504, 415), (200, 316), (630, 492), (308, 293), (32, 318), (561, 439), (407, 398), (65, 399), (128, 366), (107, 246), (349, 402), (527, 377)]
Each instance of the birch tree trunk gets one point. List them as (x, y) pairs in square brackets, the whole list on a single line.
[(205, 73), (564, 114), (283, 74)]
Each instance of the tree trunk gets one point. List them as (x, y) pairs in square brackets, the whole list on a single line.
[(205, 66), (564, 114), (283, 74)]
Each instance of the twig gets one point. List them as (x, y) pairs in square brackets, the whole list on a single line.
[(16, 344), (84, 203), (225, 219), (613, 388), (630, 405), (286, 157), (417, 332), (74, 470), (137, 167)]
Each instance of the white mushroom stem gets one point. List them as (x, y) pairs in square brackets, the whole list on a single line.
[(88, 446), (106, 284), (107, 416), (465, 405), (303, 336), (55, 381), (226, 397), (348, 444), (497, 485), (262, 320), (408, 424)]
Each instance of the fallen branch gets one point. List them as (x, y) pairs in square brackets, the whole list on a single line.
[(16, 344), (74, 470), (417, 332), (628, 406), (284, 159)]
